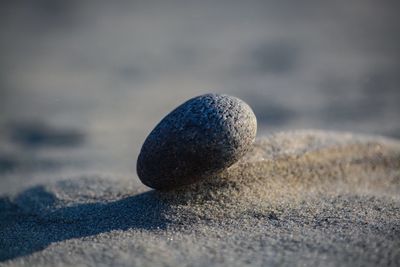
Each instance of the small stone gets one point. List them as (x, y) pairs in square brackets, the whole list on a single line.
[(272, 216), (200, 138)]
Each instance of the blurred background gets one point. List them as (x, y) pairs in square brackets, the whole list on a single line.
[(82, 83)]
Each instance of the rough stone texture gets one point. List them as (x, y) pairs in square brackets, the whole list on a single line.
[(202, 137)]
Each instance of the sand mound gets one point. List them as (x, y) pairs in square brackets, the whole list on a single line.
[(280, 170), (307, 191), (290, 167)]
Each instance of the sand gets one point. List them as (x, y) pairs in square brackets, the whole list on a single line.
[(297, 198), (83, 84)]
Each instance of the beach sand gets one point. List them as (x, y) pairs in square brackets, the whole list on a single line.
[(82, 84), (297, 198)]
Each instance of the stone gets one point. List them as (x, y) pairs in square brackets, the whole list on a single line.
[(200, 138)]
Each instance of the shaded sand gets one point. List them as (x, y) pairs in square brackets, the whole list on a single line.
[(305, 197)]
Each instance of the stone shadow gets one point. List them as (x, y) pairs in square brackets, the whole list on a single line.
[(36, 218)]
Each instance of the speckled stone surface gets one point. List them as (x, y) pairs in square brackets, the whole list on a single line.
[(201, 137)]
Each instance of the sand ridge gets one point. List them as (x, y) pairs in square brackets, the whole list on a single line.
[(286, 168)]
